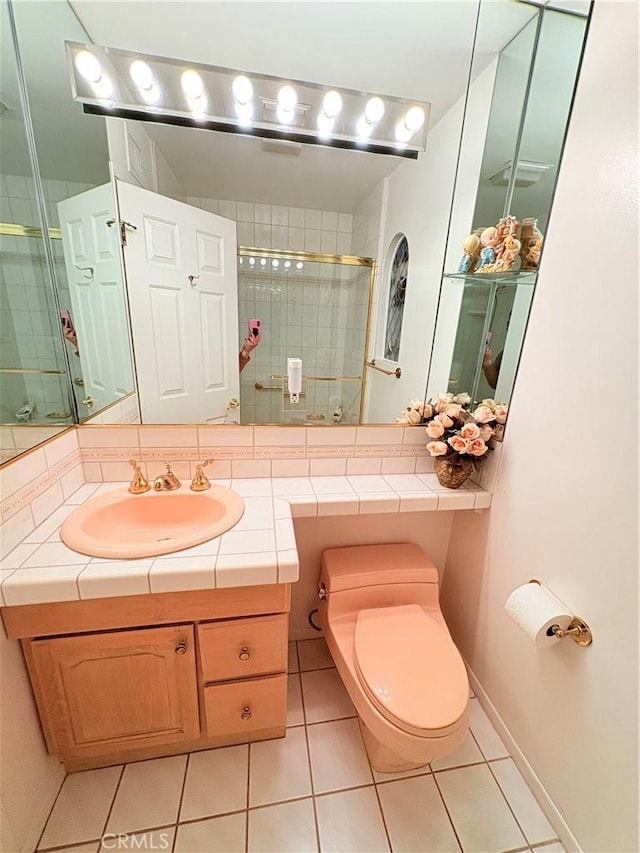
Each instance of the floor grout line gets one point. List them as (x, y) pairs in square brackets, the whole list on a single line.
[(306, 739), (246, 811), (180, 801), (53, 805), (446, 808)]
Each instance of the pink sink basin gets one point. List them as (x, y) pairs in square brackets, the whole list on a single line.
[(123, 526)]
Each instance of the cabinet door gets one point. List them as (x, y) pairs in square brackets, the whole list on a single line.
[(102, 693)]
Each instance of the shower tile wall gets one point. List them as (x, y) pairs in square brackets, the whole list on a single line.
[(270, 226), (30, 339), (319, 315), (304, 314)]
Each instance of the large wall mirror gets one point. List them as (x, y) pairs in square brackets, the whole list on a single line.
[(302, 235)]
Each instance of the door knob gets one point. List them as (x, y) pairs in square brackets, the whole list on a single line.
[(245, 654), (246, 713), (193, 280), (233, 403), (181, 648), (88, 402)]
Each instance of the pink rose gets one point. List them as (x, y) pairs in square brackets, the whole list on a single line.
[(498, 432), (459, 444), (477, 447), (501, 412), (444, 419), (427, 411), (437, 448), (486, 432), (483, 414), (453, 410), (443, 401), (464, 399), (490, 402), (413, 416), (435, 429), (471, 431)]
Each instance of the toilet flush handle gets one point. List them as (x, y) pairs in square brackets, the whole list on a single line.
[(322, 592)]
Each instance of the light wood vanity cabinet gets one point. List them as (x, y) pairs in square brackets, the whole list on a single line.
[(142, 676)]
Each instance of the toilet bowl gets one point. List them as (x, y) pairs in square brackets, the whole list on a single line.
[(392, 648)]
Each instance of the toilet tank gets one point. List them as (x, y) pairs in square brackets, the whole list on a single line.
[(367, 576)]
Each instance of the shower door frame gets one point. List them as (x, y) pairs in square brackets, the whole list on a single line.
[(323, 258)]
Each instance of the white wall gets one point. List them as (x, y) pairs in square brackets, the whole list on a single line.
[(565, 507)]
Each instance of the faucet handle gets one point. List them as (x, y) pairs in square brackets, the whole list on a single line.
[(200, 482), (139, 483)]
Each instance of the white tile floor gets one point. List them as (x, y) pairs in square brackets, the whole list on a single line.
[(313, 790)]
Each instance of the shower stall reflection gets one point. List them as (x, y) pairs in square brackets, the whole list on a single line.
[(313, 307)]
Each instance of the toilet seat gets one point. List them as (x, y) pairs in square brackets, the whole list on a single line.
[(411, 670)]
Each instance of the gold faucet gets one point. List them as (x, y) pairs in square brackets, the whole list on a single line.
[(200, 482), (167, 482), (139, 484)]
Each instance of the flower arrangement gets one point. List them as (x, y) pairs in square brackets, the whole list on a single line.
[(453, 428)]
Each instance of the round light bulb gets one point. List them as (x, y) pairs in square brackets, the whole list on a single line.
[(275, 264), (402, 133), (363, 128), (192, 84), (88, 66), (242, 89), (103, 88), (141, 74), (374, 110), (287, 99), (414, 119), (287, 264), (244, 113), (151, 95), (263, 262), (332, 104), (252, 262), (325, 126), (299, 265)]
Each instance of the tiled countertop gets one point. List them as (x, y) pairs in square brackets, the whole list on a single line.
[(259, 549)]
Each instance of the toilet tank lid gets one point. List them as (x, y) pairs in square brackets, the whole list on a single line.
[(372, 565)]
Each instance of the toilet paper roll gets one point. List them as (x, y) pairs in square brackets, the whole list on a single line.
[(535, 609)]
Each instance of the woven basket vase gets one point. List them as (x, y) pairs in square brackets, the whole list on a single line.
[(452, 471)]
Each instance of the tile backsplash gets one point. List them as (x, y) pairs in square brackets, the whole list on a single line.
[(252, 451), (37, 483)]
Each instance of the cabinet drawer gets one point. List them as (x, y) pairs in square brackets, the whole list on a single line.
[(239, 648), (246, 706)]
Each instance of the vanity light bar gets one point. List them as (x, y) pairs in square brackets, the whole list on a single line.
[(112, 82)]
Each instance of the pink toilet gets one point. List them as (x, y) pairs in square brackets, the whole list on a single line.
[(394, 653)]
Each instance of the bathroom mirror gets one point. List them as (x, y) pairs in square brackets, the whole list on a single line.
[(34, 403), (311, 226), (66, 353), (483, 313)]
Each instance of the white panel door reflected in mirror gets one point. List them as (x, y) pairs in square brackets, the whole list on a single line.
[(180, 265), (96, 326)]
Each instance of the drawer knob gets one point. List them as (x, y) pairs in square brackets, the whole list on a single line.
[(246, 713), (245, 654), (181, 648)]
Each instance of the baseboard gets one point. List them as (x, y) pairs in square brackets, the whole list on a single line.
[(40, 815), (553, 814)]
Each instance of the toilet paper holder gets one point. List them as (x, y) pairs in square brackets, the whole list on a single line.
[(578, 629)]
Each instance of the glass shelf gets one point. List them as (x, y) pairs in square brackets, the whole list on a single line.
[(510, 277)]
